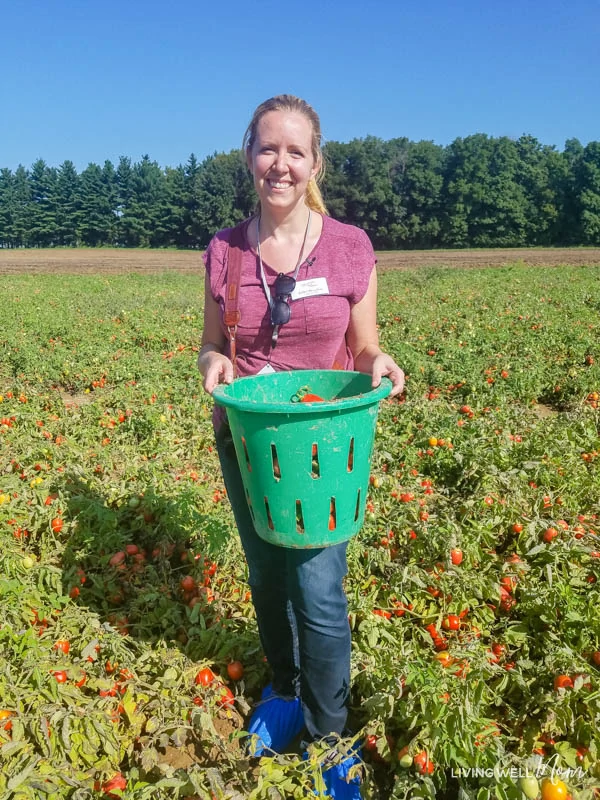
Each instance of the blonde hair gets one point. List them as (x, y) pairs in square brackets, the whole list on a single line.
[(287, 102)]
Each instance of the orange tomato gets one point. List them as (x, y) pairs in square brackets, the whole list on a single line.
[(553, 789)]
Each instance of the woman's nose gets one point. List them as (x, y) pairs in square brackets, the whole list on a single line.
[(281, 161)]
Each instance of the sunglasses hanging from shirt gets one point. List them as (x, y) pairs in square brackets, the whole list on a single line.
[(279, 299)]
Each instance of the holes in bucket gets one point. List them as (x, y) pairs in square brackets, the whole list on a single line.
[(247, 457), (250, 509), (269, 517), (275, 460), (332, 520), (316, 467), (299, 518), (351, 455), (357, 509)]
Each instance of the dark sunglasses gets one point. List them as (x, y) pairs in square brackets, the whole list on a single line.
[(280, 308)]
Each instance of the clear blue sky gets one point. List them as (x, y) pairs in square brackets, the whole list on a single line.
[(90, 80)]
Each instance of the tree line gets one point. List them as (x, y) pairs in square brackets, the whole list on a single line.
[(479, 191)]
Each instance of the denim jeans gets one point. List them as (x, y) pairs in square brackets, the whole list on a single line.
[(301, 610)]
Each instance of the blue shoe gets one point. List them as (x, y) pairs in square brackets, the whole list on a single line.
[(275, 722), (339, 781), (339, 784)]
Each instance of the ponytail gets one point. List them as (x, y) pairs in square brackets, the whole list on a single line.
[(314, 198)]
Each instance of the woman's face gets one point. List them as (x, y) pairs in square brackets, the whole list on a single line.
[(281, 159)]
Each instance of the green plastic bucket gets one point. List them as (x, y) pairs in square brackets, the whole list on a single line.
[(305, 466)]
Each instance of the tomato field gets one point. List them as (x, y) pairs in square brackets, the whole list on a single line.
[(129, 651)]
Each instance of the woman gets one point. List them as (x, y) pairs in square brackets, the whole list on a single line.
[(322, 319)]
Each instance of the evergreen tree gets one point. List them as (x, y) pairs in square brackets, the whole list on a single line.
[(42, 212), (21, 203), (66, 202), (140, 224), (174, 208), (96, 216), (191, 173), (6, 207), (224, 195)]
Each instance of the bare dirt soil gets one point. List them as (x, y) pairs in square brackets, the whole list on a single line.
[(82, 261)]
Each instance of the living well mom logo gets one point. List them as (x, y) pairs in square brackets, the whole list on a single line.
[(539, 769)]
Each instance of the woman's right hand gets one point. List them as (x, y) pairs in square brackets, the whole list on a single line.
[(215, 368)]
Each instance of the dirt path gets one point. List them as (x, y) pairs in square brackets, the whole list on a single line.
[(106, 261)]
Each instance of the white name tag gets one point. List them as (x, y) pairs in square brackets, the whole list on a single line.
[(310, 288), (266, 370)]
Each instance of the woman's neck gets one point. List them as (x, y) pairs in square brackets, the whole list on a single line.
[(289, 226)]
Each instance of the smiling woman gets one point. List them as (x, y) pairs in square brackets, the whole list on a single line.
[(305, 289), (282, 163)]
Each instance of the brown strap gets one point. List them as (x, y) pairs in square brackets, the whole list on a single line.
[(232, 313)]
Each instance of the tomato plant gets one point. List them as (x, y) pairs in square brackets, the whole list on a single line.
[(462, 615)]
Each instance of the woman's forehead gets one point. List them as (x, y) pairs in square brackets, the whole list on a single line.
[(290, 124)]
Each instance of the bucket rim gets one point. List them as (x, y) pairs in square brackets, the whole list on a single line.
[(374, 395)]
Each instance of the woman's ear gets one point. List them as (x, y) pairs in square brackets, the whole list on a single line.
[(317, 167)]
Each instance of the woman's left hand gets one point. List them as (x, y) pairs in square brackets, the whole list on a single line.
[(385, 366)]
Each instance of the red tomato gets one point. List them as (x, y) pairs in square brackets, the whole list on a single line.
[(57, 524), (549, 534), (205, 677), (235, 670), (5, 718), (60, 676), (563, 682), (382, 612), (508, 582), (62, 645), (451, 622), (117, 558), (311, 398), (423, 764), (226, 697), (517, 528), (456, 556), (188, 584), (116, 783)]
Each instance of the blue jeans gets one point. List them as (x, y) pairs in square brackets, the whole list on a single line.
[(301, 610)]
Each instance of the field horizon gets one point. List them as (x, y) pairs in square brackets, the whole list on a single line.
[(86, 260)]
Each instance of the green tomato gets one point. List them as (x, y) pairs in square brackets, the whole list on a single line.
[(28, 562), (133, 502), (529, 786), (406, 761)]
